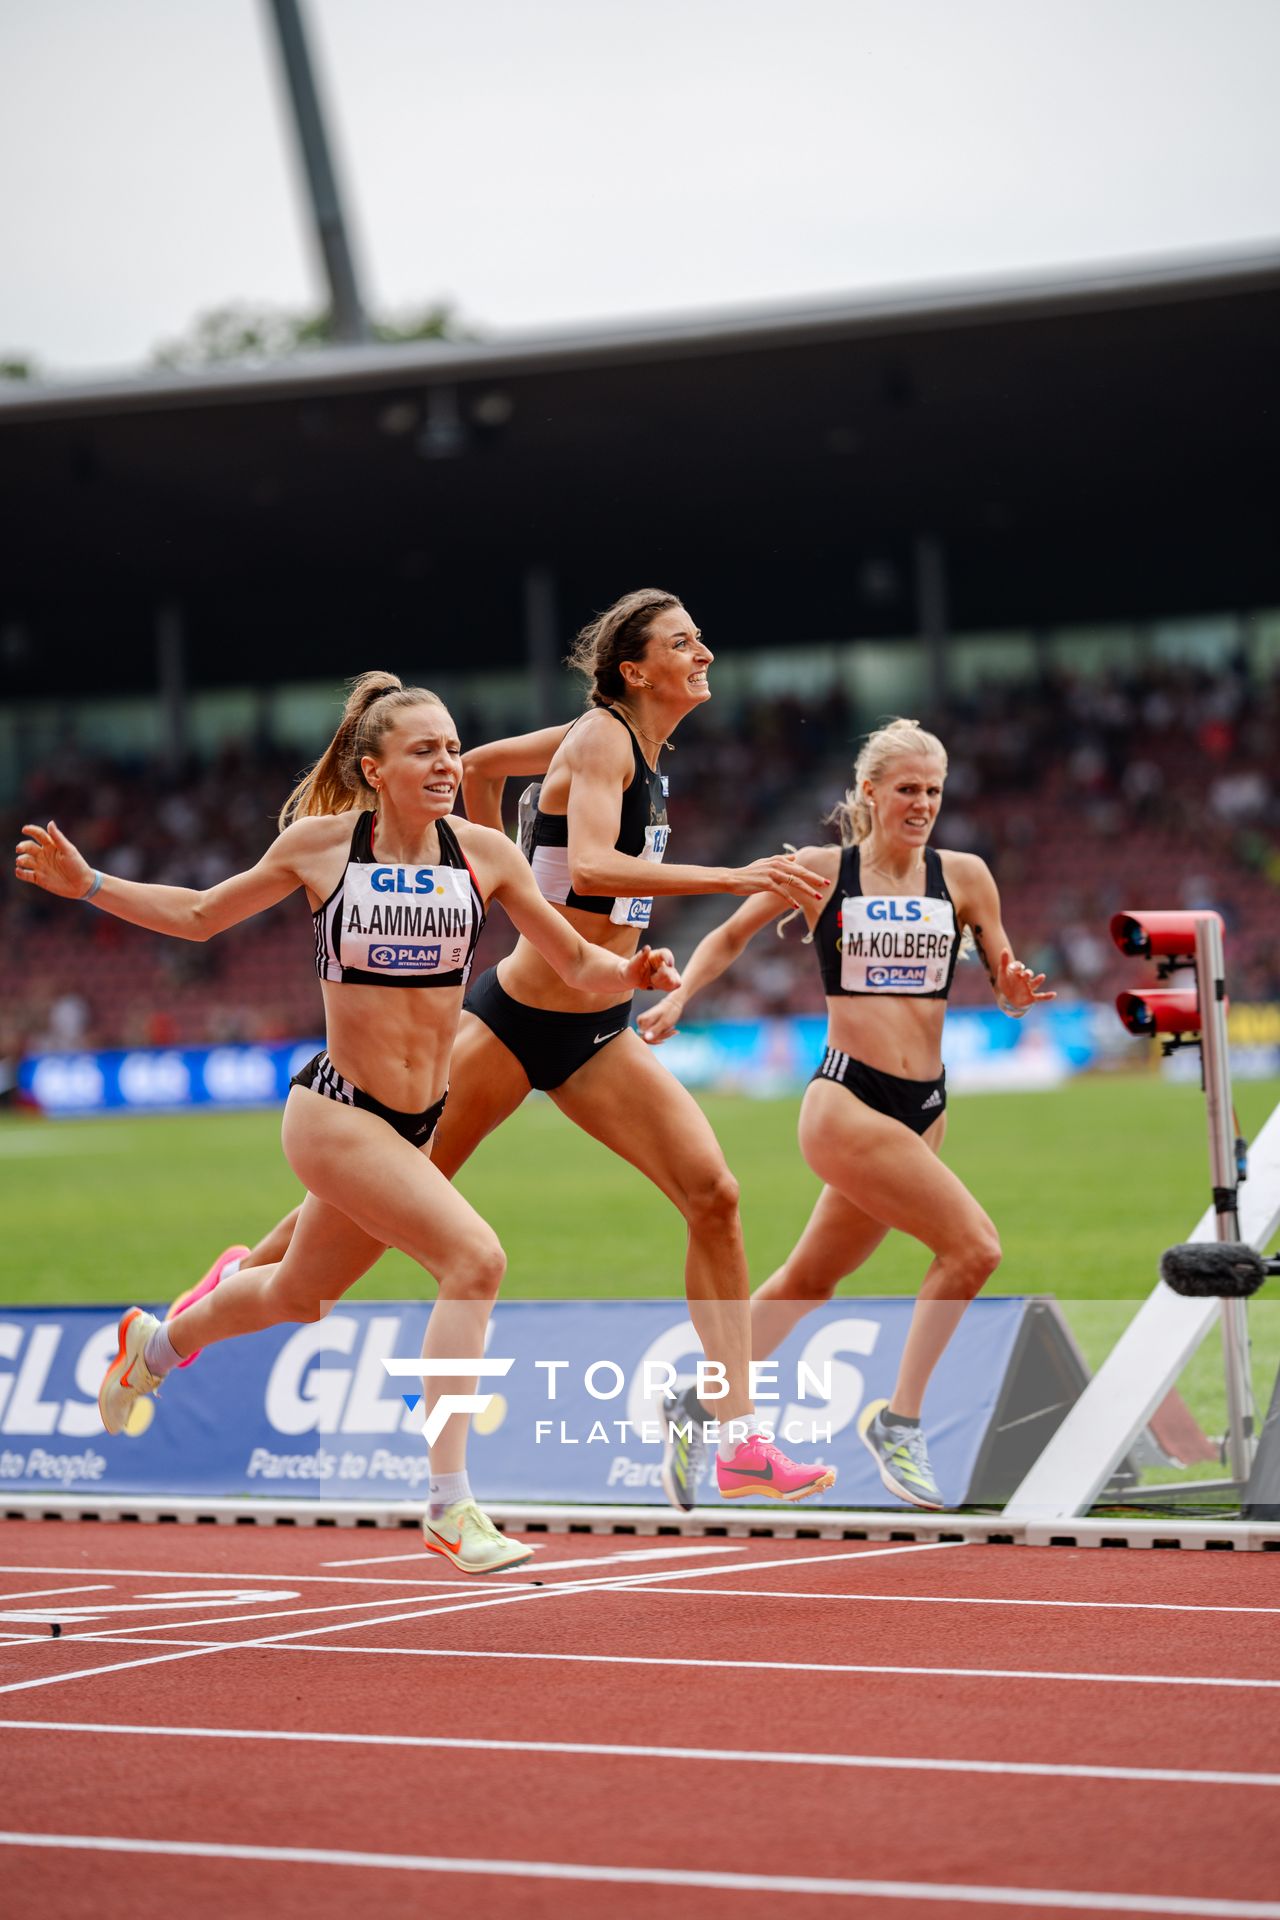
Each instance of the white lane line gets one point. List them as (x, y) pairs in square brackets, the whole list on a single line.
[(511, 1588), (514, 1591), (673, 1552), (1066, 1899), (946, 1599), (863, 1552), (618, 1583), (870, 1762), (512, 1585), (510, 1591), (160, 1603), (241, 1619), (295, 1579), (796, 1666), (299, 1644), (48, 1593)]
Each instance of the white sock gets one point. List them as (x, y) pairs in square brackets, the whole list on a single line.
[(734, 1432), (158, 1355), (232, 1266), (445, 1490)]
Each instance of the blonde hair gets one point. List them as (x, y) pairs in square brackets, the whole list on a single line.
[(888, 743), (336, 782), (620, 633), (892, 741)]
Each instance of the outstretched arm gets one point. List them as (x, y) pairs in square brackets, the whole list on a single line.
[(46, 858), (486, 770), (600, 764), (1014, 985), (588, 968)]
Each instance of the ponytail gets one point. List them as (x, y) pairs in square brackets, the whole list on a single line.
[(336, 782)]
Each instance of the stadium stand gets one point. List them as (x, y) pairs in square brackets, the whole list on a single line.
[(1084, 794)]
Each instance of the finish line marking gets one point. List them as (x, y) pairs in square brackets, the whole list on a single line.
[(618, 1583)]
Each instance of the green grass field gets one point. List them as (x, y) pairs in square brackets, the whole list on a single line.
[(1086, 1185)]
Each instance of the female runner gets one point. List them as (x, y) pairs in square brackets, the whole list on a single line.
[(888, 931), (597, 838), (398, 901)]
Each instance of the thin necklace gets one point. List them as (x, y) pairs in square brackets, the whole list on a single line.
[(911, 870), (636, 728)]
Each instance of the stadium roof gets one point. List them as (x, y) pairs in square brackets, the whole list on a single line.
[(1097, 445)]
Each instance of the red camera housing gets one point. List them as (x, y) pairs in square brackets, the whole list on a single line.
[(1150, 1010), (1145, 933)]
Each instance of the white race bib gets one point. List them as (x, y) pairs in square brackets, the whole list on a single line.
[(895, 943), (636, 913), (406, 920)]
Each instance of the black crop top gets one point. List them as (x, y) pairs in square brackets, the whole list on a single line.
[(642, 832), (892, 944), (394, 926)]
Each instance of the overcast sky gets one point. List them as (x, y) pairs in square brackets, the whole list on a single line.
[(548, 161)]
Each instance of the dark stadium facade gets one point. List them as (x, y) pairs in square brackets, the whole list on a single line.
[(1091, 448)]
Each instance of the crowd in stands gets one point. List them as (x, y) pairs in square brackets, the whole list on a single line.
[(1085, 795)]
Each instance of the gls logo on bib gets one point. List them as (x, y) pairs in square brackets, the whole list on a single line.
[(406, 919), (895, 943)]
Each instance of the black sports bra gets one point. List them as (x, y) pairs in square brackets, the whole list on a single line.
[(890, 944), (393, 926), (642, 832)]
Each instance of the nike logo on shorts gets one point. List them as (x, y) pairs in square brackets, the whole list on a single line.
[(611, 1035)]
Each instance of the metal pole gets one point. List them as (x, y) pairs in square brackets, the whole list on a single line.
[(171, 684), (932, 613), (1211, 987), (541, 646), (349, 322)]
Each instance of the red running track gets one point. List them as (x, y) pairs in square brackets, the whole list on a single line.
[(291, 1722)]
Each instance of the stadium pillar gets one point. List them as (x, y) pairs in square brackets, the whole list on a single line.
[(931, 610), (542, 645), (171, 684), (348, 322)]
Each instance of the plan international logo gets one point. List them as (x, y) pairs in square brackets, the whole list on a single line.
[(420, 958)]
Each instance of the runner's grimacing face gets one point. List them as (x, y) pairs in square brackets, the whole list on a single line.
[(907, 797), (418, 762)]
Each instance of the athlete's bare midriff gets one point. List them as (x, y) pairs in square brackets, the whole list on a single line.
[(892, 1035), (393, 1042), (527, 977)]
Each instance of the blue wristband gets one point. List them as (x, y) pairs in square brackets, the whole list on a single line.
[(97, 882)]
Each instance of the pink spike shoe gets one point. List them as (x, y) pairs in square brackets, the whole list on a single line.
[(198, 1292), (758, 1468)]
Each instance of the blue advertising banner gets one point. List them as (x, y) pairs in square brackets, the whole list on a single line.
[(982, 1049), (151, 1079), (571, 1402)]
